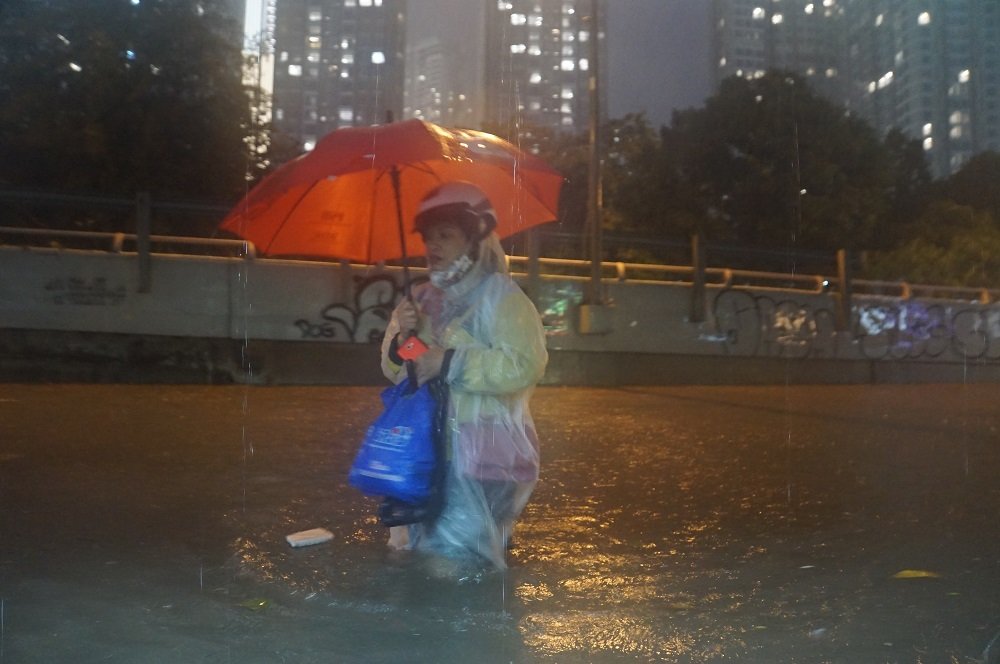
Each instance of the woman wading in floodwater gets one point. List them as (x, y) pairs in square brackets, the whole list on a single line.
[(486, 343)]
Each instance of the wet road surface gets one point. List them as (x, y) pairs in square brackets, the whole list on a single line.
[(676, 524)]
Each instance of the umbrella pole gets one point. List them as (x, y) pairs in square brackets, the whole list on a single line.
[(394, 174), (411, 370)]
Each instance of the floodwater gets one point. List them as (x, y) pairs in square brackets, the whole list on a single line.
[(675, 524)]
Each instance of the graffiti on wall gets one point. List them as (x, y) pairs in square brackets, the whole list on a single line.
[(361, 321), (751, 323), (76, 290)]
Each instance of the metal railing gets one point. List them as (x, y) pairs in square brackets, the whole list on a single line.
[(567, 268), (121, 242)]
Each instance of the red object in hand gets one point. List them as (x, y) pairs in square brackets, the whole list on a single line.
[(412, 348)]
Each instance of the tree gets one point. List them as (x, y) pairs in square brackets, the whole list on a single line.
[(116, 97), (976, 184), (950, 244), (783, 167)]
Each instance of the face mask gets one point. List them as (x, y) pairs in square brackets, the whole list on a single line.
[(453, 273)]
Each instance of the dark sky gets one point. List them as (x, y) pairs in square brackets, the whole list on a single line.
[(658, 56), (658, 50)]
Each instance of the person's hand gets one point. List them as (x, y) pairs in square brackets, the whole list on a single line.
[(407, 317), (428, 365)]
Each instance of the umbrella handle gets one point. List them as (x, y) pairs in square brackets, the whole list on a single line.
[(394, 174)]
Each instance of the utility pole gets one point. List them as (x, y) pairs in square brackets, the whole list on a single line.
[(595, 200)]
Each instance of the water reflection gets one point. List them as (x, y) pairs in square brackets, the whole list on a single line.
[(678, 524)]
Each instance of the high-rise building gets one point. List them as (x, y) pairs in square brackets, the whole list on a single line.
[(931, 69), (537, 62), (438, 88), (803, 36), (336, 63)]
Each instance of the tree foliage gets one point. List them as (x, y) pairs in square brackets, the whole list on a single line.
[(951, 244), (116, 97)]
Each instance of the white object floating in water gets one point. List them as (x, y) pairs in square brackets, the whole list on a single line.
[(309, 537)]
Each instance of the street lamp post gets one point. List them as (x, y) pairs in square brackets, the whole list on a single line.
[(595, 201)]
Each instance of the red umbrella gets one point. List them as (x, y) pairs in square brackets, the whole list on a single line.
[(338, 201)]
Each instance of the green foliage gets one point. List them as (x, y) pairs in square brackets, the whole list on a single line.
[(783, 167), (977, 184), (951, 244), (113, 97)]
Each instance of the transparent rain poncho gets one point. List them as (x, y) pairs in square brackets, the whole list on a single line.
[(499, 355)]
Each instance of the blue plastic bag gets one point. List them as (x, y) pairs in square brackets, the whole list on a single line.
[(397, 457)]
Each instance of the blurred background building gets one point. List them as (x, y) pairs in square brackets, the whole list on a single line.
[(336, 63), (930, 68), (537, 62)]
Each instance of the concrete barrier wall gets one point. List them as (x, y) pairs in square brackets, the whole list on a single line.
[(283, 308)]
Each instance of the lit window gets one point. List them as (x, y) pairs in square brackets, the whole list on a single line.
[(313, 40), (75, 67), (810, 8), (315, 15), (313, 56), (567, 65), (347, 59), (518, 19), (350, 3), (584, 64), (567, 120), (309, 144), (566, 107), (879, 20), (963, 76), (924, 18), (831, 72), (535, 106), (928, 143), (378, 58), (758, 13), (535, 77), (279, 114), (535, 20), (567, 92), (567, 50), (777, 19), (345, 73), (872, 86), (584, 36), (885, 80), (534, 49), (567, 8), (722, 61), (365, 3), (956, 131), (504, 6), (518, 48), (295, 70), (829, 3), (283, 57), (928, 128), (346, 114), (344, 43)]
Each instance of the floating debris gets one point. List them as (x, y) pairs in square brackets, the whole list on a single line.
[(916, 574), (255, 604)]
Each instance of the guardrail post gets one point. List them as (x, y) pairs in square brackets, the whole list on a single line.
[(697, 313), (533, 267), (143, 224), (842, 318)]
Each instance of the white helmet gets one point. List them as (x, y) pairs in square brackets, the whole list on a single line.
[(462, 203)]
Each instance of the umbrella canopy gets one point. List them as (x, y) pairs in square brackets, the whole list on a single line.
[(338, 201)]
